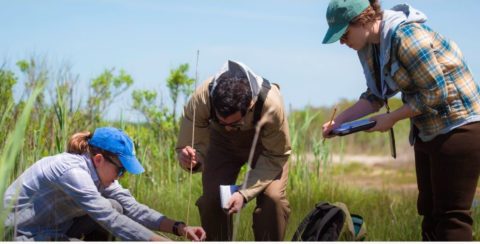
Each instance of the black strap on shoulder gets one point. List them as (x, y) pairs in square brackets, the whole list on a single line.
[(257, 112), (212, 109)]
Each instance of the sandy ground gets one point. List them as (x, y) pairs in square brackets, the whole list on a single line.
[(401, 160), (382, 171)]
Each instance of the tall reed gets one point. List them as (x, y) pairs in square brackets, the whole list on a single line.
[(11, 149)]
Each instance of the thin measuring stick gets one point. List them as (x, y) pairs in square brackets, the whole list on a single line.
[(265, 119), (193, 141)]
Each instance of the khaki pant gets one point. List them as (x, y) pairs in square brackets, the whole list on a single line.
[(228, 152), (447, 174)]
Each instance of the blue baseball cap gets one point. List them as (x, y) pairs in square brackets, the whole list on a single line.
[(117, 142)]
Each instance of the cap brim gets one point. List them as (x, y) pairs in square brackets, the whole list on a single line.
[(334, 33), (131, 164)]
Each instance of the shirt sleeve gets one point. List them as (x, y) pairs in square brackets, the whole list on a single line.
[(78, 184), (275, 139), (138, 212), (416, 52), (370, 97), (200, 102)]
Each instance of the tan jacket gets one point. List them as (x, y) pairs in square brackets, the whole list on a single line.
[(274, 136)]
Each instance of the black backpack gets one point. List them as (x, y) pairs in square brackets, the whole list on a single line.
[(331, 222)]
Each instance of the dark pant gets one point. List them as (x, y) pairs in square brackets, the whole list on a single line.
[(227, 154), (87, 229), (447, 174)]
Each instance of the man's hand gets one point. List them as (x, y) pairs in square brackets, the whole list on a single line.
[(187, 158), (193, 233), (236, 203)]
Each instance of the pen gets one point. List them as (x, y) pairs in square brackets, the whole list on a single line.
[(331, 120)]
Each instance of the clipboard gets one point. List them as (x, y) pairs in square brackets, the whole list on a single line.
[(353, 126)]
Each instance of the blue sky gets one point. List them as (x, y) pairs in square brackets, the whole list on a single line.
[(278, 39)]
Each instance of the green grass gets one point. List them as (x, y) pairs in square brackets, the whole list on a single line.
[(11, 150), (382, 224), (390, 215), (30, 130)]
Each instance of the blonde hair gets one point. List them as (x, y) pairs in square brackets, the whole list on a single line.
[(370, 14)]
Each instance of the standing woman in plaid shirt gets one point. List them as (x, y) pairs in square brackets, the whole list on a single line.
[(399, 53)]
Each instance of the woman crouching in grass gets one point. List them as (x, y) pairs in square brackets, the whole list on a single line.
[(76, 195)]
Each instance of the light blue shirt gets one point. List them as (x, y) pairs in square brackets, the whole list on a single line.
[(48, 195)]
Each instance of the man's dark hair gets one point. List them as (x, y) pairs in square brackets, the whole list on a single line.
[(232, 94)]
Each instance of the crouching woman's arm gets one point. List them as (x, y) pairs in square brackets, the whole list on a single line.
[(179, 228), (148, 217)]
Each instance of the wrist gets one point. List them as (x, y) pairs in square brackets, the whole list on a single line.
[(196, 167), (394, 117), (243, 197), (178, 228)]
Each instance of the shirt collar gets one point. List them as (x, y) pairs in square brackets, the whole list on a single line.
[(92, 169)]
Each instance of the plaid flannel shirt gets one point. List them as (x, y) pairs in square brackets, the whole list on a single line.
[(434, 80)]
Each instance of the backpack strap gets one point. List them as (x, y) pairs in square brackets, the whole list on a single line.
[(333, 210), (212, 109), (257, 111), (348, 230), (307, 219)]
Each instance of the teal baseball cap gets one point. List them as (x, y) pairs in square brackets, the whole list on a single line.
[(117, 142), (339, 15)]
